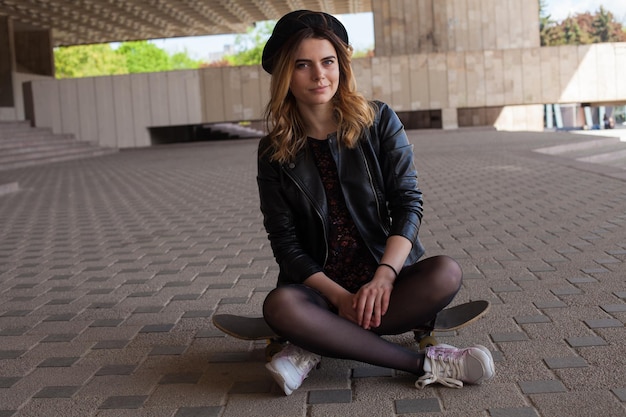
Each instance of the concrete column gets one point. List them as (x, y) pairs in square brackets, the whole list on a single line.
[(33, 51), (404, 27), (449, 119), (7, 63)]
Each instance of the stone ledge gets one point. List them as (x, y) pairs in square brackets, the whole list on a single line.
[(8, 188)]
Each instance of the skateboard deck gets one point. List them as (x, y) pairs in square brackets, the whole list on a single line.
[(243, 327), (249, 328), (449, 319), (454, 318), (255, 328)]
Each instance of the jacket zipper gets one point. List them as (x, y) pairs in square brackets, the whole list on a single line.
[(371, 181), (319, 214)]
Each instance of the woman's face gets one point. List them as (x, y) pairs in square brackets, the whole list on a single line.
[(315, 77)]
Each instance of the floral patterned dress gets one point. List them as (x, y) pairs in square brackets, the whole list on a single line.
[(350, 262)]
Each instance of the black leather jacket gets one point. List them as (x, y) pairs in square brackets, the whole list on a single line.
[(379, 182)]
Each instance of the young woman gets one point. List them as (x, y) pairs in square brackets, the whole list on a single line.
[(342, 208)]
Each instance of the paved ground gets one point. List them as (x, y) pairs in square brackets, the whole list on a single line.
[(111, 268)]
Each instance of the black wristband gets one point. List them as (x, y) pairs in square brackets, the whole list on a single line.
[(390, 267)]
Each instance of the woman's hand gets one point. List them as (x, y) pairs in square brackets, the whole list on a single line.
[(371, 302), (345, 307)]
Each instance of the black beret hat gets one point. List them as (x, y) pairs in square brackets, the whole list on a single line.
[(293, 22)]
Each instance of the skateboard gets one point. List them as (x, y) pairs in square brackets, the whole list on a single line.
[(255, 328), (249, 328), (449, 319)]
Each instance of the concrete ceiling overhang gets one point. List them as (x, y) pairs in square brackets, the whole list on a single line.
[(75, 22)]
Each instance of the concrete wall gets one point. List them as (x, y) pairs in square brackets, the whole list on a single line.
[(496, 87), (7, 63), (422, 26), (25, 55), (16, 112)]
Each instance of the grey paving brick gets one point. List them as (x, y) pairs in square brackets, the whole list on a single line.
[(371, 371), (506, 288), (167, 350), (148, 309), (614, 308), (532, 319), (595, 270), (197, 314), (211, 411), (418, 405), (11, 354), (542, 387), (550, 304), (58, 362), (156, 328), (252, 387), (566, 291), (100, 291), (106, 323), (181, 378), (124, 402), (582, 280), (142, 294), (570, 362), (234, 300), (229, 357), (513, 412), (52, 338), (620, 393), (16, 313), (111, 344), (8, 382), (16, 331), (183, 297), (586, 341), (116, 370), (509, 337), (57, 392), (102, 305), (603, 323), (331, 396)]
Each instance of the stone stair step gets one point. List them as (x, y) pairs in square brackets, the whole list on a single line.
[(22, 145), (53, 157), (35, 141)]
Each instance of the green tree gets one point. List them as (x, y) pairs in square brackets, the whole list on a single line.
[(88, 61), (182, 60), (550, 31), (605, 28), (572, 33), (249, 47), (142, 56), (580, 29)]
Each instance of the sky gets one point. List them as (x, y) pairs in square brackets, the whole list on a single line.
[(360, 28)]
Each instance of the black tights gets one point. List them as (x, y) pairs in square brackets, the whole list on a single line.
[(303, 316)]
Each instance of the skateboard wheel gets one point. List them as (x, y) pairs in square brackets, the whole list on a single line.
[(271, 349), (420, 334), (427, 341)]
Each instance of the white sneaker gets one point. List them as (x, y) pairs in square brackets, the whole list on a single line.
[(452, 367), (291, 366)]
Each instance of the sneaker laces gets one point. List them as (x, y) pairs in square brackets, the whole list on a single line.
[(303, 360), (446, 367)]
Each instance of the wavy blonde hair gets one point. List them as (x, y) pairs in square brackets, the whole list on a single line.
[(285, 125)]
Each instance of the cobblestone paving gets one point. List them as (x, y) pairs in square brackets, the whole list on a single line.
[(111, 268)]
